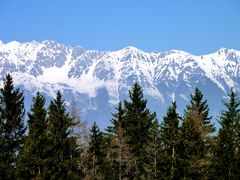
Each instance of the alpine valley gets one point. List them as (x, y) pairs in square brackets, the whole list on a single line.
[(99, 80)]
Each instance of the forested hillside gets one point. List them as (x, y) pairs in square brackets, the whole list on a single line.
[(56, 144)]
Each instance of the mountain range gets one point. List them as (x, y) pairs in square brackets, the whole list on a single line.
[(99, 80)]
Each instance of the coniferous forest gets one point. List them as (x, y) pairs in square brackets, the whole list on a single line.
[(56, 144)]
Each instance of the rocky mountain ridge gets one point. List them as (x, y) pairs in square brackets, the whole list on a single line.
[(100, 79)]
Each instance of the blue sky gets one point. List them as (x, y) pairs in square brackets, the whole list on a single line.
[(195, 26)]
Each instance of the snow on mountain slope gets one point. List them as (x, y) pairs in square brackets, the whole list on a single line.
[(103, 78)]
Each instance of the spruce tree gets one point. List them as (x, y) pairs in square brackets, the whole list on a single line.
[(136, 123), (170, 140), (62, 151), (201, 107), (153, 154), (11, 127), (191, 147), (31, 161), (226, 158), (237, 142), (121, 164), (96, 154), (196, 138), (117, 118)]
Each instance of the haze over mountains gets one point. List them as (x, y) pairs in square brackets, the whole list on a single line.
[(98, 80)]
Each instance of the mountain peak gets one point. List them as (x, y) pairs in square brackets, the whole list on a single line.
[(178, 51), (224, 51), (100, 79), (131, 49), (50, 43), (13, 44)]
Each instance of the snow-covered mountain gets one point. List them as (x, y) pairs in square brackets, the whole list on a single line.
[(98, 80)]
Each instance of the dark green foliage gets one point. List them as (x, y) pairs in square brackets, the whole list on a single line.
[(198, 104), (119, 156), (191, 147), (96, 141), (138, 119), (62, 151), (237, 142), (31, 161), (136, 123), (153, 153), (195, 138), (134, 146), (170, 141), (11, 127), (96, 154), (226, 157), (121, 159), (117, 119)]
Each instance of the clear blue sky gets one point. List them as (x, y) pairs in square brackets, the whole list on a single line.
[(195, 26)]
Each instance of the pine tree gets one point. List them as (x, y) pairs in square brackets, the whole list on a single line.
[(96, 154), (237, 142), (119, 152), (226, 157), (31, 162), (136, 123), (170, 141), (11, 127), (63, 149), (196, 138), (153, 153), (117, 118), (201, 107), (191, 147)]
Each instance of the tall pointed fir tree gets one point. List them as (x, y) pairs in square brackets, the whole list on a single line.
[(201, 107), (226, 160), (237, 142), (153, 153), (119, 152), (62, 151), (31, 161), (117, 118), (11, 127), (169, 134), (191, 147), (136, 123), (96, 154), (195, 137)]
